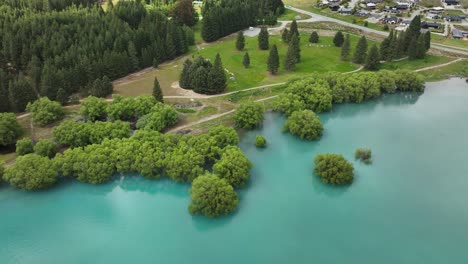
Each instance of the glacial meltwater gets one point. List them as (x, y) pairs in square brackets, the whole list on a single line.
[(409, 206)]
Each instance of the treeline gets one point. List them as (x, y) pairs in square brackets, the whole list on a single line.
[(223, 17), (64, 52), (47, 5)]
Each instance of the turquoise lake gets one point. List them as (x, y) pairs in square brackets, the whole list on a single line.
[(409, 206)]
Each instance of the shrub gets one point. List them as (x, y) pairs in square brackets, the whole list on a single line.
[(212, 196), (333, 169), (93, 108), (233, 166), (31, 172), (45, 148), (249, 115), (305, 124), (45, 111), (364, 154), (161, 117), (260, 141), (24, 146), (10, 129)]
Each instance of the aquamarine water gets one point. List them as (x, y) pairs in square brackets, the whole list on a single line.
[(409, 206)]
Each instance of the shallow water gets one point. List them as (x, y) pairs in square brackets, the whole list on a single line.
[(409, 206)]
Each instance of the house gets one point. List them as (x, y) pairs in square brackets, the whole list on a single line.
[(334, 6), (373, 1), (345, 11), (453, 18), (433, 16), (452, 2), (437, 10), (391, 20), (361, 13), (426, 25), (371, 6), (401, 6), (458, 33)]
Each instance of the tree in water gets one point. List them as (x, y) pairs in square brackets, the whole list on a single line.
[(273, 60), (157, 93)]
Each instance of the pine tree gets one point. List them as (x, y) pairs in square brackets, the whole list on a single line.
[(62, 96), (291, 60), (293, 29), (171, 50), (346, 48), (157, 93), (360, 51), (314, 37), (240, 43), (373, 59), (413, 49), (21, 93), (399, 45), (110, 5), (413, 31), (338, 39), (285, 35), (385, 47), (217, 77), (263, 39), (421, 50), (427, 40), (133, 56), (185, 75), (273, 60), (246, 60)]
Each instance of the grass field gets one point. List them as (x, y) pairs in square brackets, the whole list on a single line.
[(428, 61), (458, 69), (457, 43), (290, 15)]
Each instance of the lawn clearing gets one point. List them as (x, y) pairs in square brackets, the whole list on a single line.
[(457, 69), (406, 64)]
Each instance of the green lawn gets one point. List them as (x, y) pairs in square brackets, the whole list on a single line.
[(430, 60), (290, 15), (459, 69), (457, 43)]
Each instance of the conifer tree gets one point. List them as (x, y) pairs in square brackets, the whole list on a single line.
[(185, 75), (157, 93), (427, 40), (273, 60), (62, 96), (385, 47), (413, 31), (110, 5), (133, 56), (361, 51), (246, 60), (314, 37), (21, 93), (373, 59), (263, 39), (171, 50), (421, 50), (338, 39), (399, 45), (293, 29), (346, 48), (217, 77), (413, 49), (285, 35), (240, 42)]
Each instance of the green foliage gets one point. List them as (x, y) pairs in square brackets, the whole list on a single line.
[(233, 166), (373, 59), (293, 30), (212, 196), (263, 39), (24, 146), (360, 53), (77, 134), (31, 172), (185, 13), (157, 93), (385, 27), (260, 141), (409, 81), (10, 129), (21, 92), (240, 42), (161, 117), (273, 60), (186, 110), (246, 60), (345, 49), (203, 77), (45, 148), (333, 169), (294, 53), (338, 39), (249, 115), (216, 77), (305, 124), (93, 108), (285, 35), (45, 111), (364, 154), (2, 170), (130, 108), (102, 87), (314, 37)]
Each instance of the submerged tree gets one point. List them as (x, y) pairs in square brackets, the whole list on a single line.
[(333, 169)]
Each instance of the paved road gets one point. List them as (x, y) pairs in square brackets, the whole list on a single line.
[(369, 30)]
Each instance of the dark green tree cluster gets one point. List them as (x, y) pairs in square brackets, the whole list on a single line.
[(314, 37), (373, 59), (184, 13), (240, 41), (45, 111), (59, 53), (10, 129), (334, 169), (304, 124), (338, 39), (263, 39), (223, 17), (48, 5), (249, 115), (364, 155), (204, 77)]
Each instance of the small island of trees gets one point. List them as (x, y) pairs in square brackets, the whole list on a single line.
[(333, 169)]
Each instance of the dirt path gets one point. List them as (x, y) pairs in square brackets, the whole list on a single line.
[(438, 66)]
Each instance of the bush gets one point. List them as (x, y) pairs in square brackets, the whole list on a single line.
[(333, 169), (212, 196), (161, 117), (314, 37), (10, 129), (24, 146), (45, 148), (31, 172), (249, 115), (45, 111), (233, 166), (364, 154), (305, 124), (260, 141), (93, 108)]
